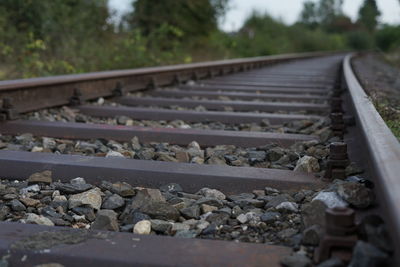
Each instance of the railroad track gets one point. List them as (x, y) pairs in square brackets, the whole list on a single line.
[(278, 159)]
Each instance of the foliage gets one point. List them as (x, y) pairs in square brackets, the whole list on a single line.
[(368, 15), (49, 37)]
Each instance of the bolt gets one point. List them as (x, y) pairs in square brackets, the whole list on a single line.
[(336, 104), (338, 151), (340, 221)]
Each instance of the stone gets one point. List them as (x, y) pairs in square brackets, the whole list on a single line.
[(332, 262), (211, 193), (240, 196), (30, 202), (32, 188), (182, 156), (192, 212), (88, 212), (271, 191), (256, 156), (4, 211), (312, 235), (161, 211), (142, 227), (135, 143), (171, 188), (186, 234), (114, 154), (287, 233), (276, 200), (40, 177), (161, 226), (78, 180), (16, 205), (210, 201), (330, 199), (38, 219), (270, 217), (218, 218), (71, 188), (313, 213), (106, 220), (179, 227), (296, 260), (122, 120), (355, 194), (242, 218), (201, 225), (49, 143), (307, 164), (353, 169), (207, 208), (113, 202), (91, 198), (122, 189), (287, 207), (367, 255), (243, 203), (274, 154)]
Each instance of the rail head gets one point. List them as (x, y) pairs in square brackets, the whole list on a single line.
[(382, 145), (62, 79)]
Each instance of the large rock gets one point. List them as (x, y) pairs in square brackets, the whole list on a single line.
[(72, 188), (91, 198), (212, 193), (142, 227), (106, 220), (113, 202), (307, 164), (330, 199), (192, 212), (355, 194), (38, 219), (40, 177), (161, 211), (161, 226), (312, 235), (367, 255)]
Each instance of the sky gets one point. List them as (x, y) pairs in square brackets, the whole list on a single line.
[(287, 10)]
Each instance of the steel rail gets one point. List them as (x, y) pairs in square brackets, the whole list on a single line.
[(383, 152), (37, 93)]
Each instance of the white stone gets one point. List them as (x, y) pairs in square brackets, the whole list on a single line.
[(330, 199), (37, 149), (38, 219), (242, 218), (112, 153), (202, 225), (142, 228), (288, 206), (33, 188)]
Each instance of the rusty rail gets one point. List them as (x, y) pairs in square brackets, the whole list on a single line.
[(382, 148)]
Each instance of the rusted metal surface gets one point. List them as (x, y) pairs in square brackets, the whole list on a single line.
[(37, 93), (191, 115), (239, 95), (153, 174), (264, 84), (148, 134), (73, 247), (221, 105), (340, 235), (272, 89), (383, 152)]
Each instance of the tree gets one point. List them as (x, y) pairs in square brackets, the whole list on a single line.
[(193, 18), (308, 15), (328, 10), (368, 15)]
